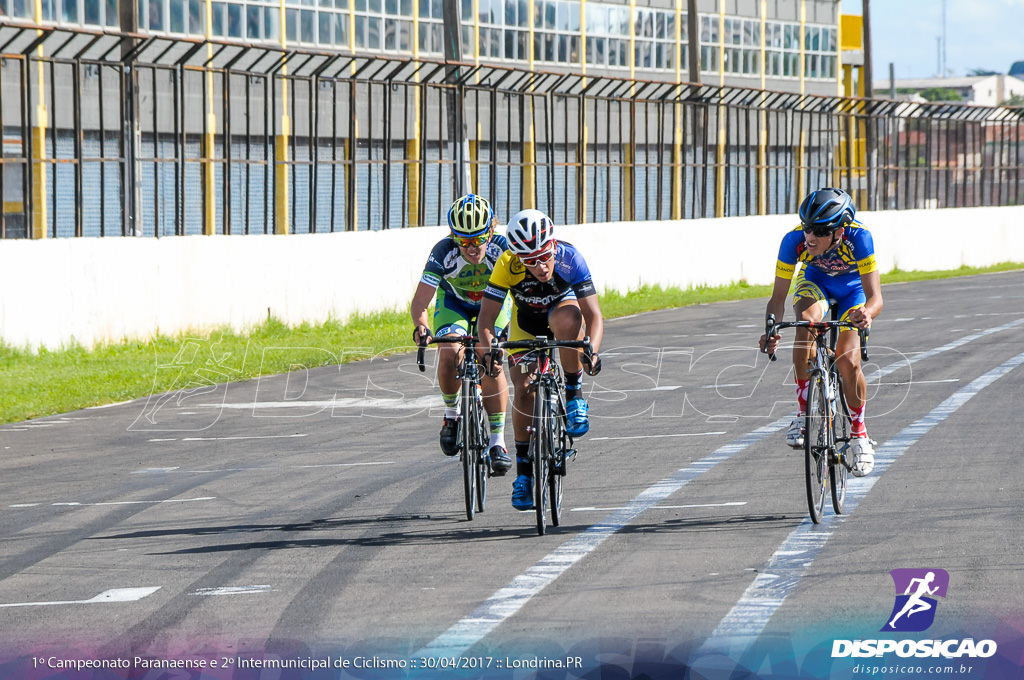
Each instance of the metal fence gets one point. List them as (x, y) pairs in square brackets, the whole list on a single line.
[(106, 134)]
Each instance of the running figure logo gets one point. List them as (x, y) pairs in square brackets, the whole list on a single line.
[(914, 609)]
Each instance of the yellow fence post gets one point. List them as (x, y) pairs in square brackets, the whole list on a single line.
[(39, 164), (282, 223), (412, 154), (529, 189)]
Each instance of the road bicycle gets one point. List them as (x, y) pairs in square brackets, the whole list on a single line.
[(473, 433), (827, 422), (550, 444)]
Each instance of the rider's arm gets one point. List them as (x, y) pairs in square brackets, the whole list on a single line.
[(872, 283), (595, 321), (776, 307), (489, 310), (421, 300), (777, 302)]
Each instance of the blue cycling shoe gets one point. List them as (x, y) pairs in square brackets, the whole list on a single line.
[(522, 493), (577, 423)]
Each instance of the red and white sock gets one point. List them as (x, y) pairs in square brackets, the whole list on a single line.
[(858, 429), (801, 395)]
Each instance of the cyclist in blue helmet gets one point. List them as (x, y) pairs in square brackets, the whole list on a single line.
[(838, 257), (454, 278)]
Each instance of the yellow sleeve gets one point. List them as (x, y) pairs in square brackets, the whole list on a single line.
[(784, 270), (867, 265), (501, 275)]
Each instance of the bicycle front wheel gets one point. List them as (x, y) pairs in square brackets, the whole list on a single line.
[(556, 464), (480, 462), (541, 454), (838, 471), (468, 433), (816, 445)]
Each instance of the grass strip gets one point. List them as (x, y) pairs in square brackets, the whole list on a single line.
[(42, 382)]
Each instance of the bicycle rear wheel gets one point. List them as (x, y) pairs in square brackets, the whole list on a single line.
[(838, 471), (816, 446)]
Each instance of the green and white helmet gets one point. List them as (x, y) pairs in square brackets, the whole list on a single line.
[(470, 216)]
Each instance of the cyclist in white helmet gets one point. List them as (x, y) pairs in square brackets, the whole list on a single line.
[(553, 295), (457, 270)]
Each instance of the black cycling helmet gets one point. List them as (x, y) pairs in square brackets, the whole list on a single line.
[(826, 210)]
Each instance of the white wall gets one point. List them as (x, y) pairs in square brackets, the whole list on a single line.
[(99, 290)]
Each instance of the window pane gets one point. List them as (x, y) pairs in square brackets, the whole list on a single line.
[(253, 22), (92, 11), (291, 20), (234, 21)]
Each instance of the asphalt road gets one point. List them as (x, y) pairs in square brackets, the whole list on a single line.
[(312, 516)]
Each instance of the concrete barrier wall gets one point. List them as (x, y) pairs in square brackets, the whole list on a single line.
[(107, 290)]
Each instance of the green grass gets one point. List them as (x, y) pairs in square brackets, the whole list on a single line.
[(45, 382)]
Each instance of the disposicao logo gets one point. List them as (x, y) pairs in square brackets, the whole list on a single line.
[(912, 612), (916, 590)]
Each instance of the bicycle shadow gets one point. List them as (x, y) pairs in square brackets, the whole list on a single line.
[(413, 529)]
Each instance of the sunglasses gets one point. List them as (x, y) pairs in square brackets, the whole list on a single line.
[(534, 260), (820, 232), (473, 241)]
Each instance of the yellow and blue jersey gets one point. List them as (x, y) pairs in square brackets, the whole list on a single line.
[(854, 255)]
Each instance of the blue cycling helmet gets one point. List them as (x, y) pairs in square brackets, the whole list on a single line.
[(470, 216), (826, 210)]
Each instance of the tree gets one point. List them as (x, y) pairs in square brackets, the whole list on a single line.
[(982, 72), (941, 94)]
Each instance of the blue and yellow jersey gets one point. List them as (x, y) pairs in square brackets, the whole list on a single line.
[(448, 271), (853, 255), (571, 277)]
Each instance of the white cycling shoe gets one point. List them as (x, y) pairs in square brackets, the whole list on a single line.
[(795, 433), (863, 456)]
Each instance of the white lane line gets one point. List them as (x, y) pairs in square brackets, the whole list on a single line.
[(348, 402), (667, 507), (232, 590), (507, 601), (169, 500), (275, 468), (228, 438), (658, 436), (749, 617), (115, 595)]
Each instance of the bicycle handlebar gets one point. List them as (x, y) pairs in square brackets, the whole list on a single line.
[(545, 343), (820, 327), (464, 340)]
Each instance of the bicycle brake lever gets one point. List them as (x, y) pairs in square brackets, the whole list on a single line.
[(769, 331)]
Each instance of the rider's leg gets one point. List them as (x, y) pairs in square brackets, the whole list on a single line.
[(522, 419), (854, 385), (448, 358), (495, 392), (566, 322)]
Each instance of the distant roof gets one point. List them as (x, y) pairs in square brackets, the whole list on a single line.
[(925, 83)]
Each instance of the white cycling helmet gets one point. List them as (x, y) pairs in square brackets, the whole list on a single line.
[(529, 232)]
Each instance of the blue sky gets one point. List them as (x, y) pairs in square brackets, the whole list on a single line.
[(980, 34)]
